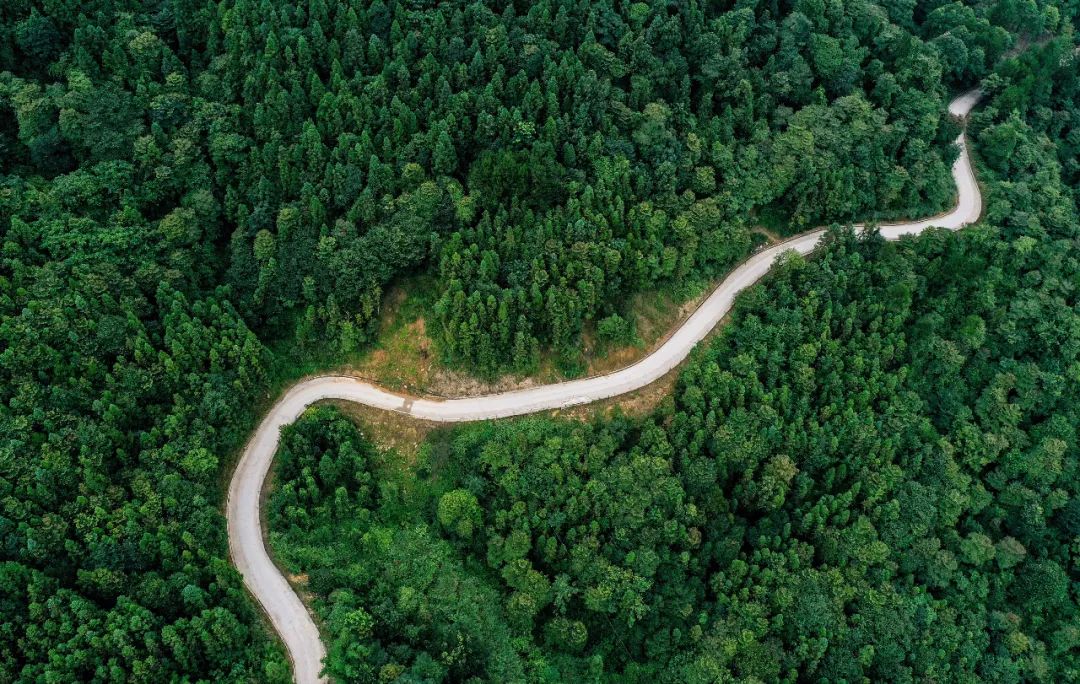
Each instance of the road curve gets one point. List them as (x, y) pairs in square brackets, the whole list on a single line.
[(288, 614)]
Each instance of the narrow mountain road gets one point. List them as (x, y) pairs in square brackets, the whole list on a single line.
[(288, 614)]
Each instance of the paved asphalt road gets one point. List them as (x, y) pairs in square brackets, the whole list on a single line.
[(246, 544)]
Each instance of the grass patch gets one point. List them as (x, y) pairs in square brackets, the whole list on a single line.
[(403, 355)]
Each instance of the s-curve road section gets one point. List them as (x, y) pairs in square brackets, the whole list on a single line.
[(289, 616)]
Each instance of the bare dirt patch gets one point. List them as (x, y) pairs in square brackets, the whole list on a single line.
[(771, 236)]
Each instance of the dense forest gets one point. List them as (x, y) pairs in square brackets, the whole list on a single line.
[(194, 194), (544, 159), (872, 475)]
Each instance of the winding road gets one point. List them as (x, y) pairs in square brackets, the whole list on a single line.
[(289, 616)]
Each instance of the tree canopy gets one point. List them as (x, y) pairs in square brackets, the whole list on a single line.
[(871, 475), (872, 471)]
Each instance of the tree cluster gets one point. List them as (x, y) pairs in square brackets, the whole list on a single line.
[(546, 159)]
